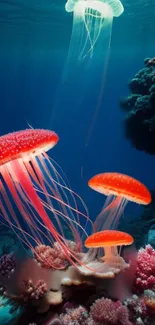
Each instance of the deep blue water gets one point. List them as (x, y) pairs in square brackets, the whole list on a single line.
[(34, 38), (32, 59), (28, 86)]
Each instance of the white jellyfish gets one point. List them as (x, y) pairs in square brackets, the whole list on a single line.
[(84, 75), (92, 22)]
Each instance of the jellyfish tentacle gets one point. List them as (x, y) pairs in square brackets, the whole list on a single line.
[(58, 184), (58, 198), (21, 173), (65, 187), (21, 206), (76, 209)]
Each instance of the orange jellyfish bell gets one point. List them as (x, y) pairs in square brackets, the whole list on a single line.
[(121, 189), (121, 185), (107, 238)]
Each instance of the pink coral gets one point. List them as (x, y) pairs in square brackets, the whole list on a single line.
[(34, 291), (53, 257), (145, 273), (107, 312), (50, 258)]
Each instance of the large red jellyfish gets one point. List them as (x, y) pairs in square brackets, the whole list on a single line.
[(34, 199), (119, 189)]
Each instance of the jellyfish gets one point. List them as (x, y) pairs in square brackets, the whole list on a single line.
[(34, 196), (86, 64), (104, 253), (92, 25), (110, 240), (119, 189)]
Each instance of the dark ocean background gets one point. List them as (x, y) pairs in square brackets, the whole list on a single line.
[(34, 42)]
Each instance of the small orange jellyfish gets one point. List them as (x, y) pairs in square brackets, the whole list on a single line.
[(109, 240), (120, 189), (34, 197)]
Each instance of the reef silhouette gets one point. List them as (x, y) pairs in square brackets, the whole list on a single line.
[(139, 108)]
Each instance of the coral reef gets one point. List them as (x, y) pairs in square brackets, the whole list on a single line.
[(139, 107), (139, 309), (98, 309)]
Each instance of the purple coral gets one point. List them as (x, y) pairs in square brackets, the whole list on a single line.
[(145, 273), (34, 291), (7, 265), (107, 312)]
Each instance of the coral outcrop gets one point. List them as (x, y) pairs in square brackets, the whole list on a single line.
[(139, 108)]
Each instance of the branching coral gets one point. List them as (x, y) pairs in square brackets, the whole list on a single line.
[(140, 109), (34, 291), (31, 295)]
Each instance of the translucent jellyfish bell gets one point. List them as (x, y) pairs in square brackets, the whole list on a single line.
[(86, 65), (91, 19)]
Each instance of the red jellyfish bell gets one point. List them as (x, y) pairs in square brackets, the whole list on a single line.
[(119, 189), (28, 187)]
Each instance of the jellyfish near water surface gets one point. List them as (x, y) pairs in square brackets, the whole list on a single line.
[(92, 23), (34, 203)]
